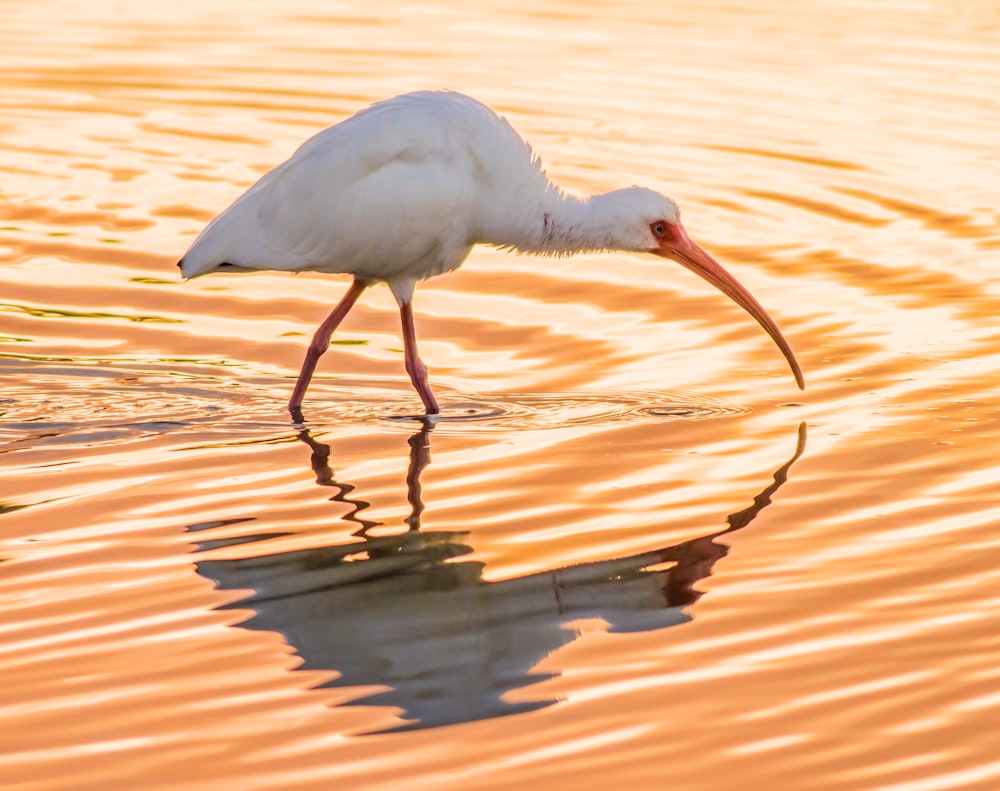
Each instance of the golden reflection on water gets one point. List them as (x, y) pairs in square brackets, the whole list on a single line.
[(411, 606), (838, 158)]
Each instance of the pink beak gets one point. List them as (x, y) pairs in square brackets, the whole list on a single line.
[(678, 247)]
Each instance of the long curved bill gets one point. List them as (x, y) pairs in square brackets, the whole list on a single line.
[(681, 249)]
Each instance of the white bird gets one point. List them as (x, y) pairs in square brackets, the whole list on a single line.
[(404, 189)]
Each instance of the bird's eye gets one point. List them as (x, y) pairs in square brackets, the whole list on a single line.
[(659, 228)]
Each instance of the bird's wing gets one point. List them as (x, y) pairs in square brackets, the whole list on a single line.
[(370, 196)]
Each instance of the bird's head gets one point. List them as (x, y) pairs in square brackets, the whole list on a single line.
[(653, 225)]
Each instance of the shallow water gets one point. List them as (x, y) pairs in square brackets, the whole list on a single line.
[(632, 553)]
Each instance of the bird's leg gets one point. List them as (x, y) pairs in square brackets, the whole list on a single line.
[(414, 365), (321, 342)]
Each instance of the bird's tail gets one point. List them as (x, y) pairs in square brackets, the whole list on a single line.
[(211, 251), (200, 259), (225, 266)]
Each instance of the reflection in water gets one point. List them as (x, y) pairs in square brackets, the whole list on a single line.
[(400, 612)]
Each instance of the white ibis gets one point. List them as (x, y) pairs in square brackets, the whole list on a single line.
[(404, 189)]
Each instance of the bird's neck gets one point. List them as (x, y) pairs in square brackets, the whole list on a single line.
[(557, 224)]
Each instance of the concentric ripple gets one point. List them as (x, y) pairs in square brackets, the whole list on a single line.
[(159, 397), (554, 410)]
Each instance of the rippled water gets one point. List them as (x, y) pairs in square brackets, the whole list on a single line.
[(632, 553)]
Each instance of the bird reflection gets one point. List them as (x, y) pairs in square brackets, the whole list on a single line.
[(446, 645)]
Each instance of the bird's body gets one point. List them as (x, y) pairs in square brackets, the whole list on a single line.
[(403, 191)]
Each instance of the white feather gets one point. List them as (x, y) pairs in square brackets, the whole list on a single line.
[(404, 189)]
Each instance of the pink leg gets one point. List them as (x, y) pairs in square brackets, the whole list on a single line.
[(414, 365), (321, 342)]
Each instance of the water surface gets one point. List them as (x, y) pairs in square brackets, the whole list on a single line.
[(634, 554)]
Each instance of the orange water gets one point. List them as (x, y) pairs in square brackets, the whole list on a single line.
[(640, 542)]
